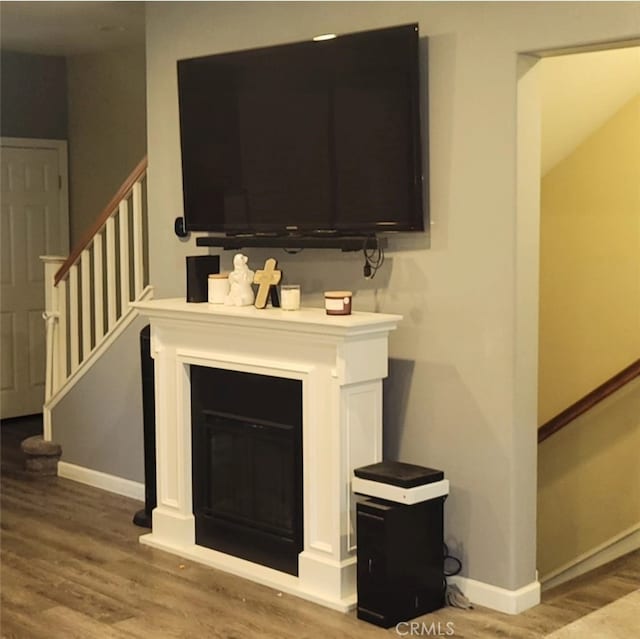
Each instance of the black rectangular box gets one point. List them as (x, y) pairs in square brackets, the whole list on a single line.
[(399, 474), (198, 269)]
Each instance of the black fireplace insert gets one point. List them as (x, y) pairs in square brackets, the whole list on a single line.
[(247, 465)]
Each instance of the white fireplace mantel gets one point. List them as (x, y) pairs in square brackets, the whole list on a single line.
[(341, 362)]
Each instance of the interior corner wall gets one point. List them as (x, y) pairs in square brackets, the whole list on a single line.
[(452, 400), (33, 96), (107, 129), (589, 263)]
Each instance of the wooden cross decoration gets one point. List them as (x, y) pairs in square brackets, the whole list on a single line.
[(267, 278)]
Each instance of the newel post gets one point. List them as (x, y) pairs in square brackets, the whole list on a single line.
[(51, 316)]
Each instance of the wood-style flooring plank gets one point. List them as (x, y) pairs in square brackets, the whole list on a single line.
[(23, 598)]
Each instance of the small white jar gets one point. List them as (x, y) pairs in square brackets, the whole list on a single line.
[(290, 297), (218, 287)]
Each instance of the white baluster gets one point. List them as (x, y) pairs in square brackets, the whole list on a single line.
[(85, 274), (74, 334), (138, 246), (98, 308), (123, 219), (51, 320), (111, 274), (62, 334)]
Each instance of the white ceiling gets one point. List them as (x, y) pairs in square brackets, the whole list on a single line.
[(580, 93), (70, 28)]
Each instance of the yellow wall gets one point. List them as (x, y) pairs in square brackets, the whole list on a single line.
[(590, 264), (589, 481), (589, 473)]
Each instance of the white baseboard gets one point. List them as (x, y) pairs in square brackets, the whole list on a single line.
[(622, 544), (97, 479), (511, 602)]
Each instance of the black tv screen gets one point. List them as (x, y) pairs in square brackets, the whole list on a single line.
[(317, 136)]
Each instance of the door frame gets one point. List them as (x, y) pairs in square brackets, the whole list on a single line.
[(527, 264), (61, 147)]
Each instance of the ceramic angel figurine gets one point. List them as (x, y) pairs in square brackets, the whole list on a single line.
[(240, 280)]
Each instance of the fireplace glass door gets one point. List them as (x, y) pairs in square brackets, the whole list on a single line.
[(247, 465)]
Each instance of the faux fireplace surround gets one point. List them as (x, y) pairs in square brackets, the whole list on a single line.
[(341, 362)]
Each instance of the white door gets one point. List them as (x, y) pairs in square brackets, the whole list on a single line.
[(32, 224)]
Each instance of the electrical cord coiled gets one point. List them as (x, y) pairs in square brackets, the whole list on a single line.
[(451, 558)]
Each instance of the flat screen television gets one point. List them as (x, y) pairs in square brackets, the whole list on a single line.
[(316, 137)]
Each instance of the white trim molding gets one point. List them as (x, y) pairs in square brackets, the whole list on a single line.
[(104, 481), (625, 542), (511, 602)]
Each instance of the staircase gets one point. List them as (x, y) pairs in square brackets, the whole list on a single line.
[(589, 480), (88, 294)]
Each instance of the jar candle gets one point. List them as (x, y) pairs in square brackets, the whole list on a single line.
[(338, 302), (218, 287), (290, 297)]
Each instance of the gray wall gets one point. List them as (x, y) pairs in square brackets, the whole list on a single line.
[(97, 102), (107, 129), (99, 423), (33, 96), (461, 395)]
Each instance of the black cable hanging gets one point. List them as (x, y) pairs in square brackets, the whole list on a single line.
[(373, 260)]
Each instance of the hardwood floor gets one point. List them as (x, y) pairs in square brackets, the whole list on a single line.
[(72, 567)]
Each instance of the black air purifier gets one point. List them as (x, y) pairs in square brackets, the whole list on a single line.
[(400, 541)]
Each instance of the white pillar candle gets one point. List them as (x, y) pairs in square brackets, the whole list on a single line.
[(290, 297), (218, 288)]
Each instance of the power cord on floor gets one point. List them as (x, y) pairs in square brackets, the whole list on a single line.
[(452, 594), (456, 598)]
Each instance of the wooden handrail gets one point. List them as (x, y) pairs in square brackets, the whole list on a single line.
[(589, 401), (101, 220)]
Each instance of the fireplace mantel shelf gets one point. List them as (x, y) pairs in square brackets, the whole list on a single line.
[(340, 361), (305, 320)]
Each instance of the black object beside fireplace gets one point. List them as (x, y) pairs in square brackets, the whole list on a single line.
[(247, 465)]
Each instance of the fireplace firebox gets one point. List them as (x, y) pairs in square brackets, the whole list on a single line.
[(247, 465)]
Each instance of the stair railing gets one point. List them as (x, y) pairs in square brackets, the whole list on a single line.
[(589, 401), (88, 294)]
